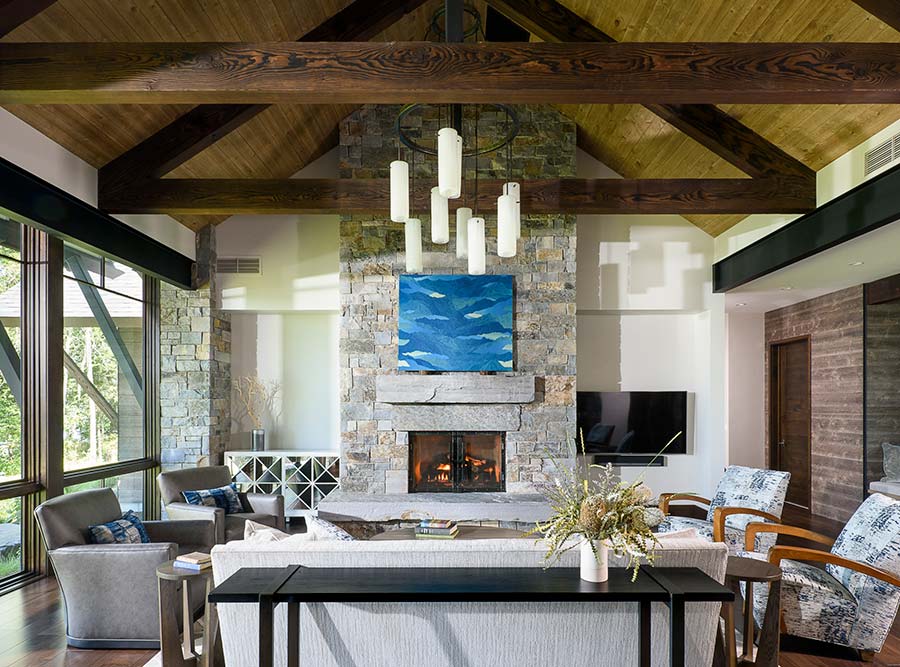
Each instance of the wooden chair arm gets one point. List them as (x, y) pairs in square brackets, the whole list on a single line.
[(782, 529), (666, 498), (779, 553), (721, 513)]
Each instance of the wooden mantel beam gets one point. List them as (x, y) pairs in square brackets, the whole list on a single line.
[(570, 195), (385, 73), (706, 124)]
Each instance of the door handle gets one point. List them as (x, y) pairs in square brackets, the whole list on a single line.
[(781, 443)]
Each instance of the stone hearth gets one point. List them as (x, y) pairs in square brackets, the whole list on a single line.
[(534, 405)]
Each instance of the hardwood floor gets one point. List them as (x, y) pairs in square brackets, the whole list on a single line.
[(32, 629)]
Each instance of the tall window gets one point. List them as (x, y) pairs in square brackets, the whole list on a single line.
[(12, 471), (103, 343)]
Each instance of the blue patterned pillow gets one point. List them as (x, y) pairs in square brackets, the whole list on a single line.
[(127, 530), (325, 531), (225, 497)]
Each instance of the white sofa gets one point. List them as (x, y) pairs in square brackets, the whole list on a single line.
[(460, 634)]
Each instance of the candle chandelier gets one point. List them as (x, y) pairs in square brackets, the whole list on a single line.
[(455, 143)]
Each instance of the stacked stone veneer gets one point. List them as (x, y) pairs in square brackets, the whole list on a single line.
[(195, 368), (375, 454)]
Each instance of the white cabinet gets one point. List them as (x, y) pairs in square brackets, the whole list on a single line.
[(303, 478)]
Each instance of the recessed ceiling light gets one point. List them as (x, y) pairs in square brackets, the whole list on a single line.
[(740, 305), (786, 288), (856, 263)]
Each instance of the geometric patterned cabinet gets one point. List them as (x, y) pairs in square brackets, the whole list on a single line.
[(303, 478)]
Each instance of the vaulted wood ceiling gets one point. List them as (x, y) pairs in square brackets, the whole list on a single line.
[(630, 139)]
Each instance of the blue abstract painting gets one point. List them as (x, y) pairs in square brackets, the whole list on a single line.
[(455, 323)]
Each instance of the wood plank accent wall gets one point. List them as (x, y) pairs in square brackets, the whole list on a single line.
[(883, 382), (834, 323)]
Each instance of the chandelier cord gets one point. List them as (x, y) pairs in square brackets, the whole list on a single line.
[(477, 118)]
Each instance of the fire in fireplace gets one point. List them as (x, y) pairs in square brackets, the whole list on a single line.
[(456, 462)]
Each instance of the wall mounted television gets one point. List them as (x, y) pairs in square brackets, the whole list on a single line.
[(632, 422)]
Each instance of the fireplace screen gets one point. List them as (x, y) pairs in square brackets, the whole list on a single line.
[(456, 462)]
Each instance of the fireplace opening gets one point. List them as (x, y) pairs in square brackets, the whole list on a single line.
[(456, 462)]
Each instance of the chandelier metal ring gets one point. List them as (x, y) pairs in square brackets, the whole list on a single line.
[(512, 131), (437, 28)]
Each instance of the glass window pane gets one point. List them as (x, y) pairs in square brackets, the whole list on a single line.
[(124, 280), (128, 488), (103, 342), (10, 537), (10, 238), (82, 266), (10, 370)]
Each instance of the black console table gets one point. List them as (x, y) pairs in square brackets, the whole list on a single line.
[(294, 585)]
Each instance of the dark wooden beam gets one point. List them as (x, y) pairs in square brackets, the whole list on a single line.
[(883, 291), (571, 195), (34, 202), (706, 124), (863, 209), (14, 13), (395, 72), (885, 10), (183, 138)]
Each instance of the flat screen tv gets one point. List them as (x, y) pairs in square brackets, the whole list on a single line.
[(632, 422)]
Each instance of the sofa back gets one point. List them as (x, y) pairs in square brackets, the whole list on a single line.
[(451, 634)]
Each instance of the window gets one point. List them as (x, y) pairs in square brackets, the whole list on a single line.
[(103, 360), (128, 488), (10, 537), (10, 364)]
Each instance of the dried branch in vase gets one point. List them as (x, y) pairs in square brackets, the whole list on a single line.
[(257, 399)]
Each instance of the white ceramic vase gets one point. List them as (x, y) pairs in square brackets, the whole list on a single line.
[(594, 568)]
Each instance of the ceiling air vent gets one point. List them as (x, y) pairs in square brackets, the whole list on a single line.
[(246, 265), (883, 154)]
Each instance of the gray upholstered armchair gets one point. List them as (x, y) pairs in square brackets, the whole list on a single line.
[(110, 590), (259, 507)]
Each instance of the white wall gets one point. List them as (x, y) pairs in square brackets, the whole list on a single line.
[(24, 146), (746, 406), (647, 320), (299, 351), (285, 321)]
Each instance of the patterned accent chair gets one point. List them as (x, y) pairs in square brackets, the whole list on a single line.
[(854, 599), (742, 496)]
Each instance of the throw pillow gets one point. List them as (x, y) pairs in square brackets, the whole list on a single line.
[(225, 497), (326, 531), (127, 530), (891, 462), (258, 533)]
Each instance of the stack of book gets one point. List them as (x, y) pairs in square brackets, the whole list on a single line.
[(436, 529), (197, 561)]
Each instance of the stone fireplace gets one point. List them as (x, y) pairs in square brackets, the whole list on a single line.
[(531, 408)]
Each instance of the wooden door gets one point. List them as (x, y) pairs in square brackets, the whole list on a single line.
[(790, 432)]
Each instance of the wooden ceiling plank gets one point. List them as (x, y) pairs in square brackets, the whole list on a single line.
[(887, 11), (188, 136), (705, 124), (14, 13), (390, 73), (657, 196)]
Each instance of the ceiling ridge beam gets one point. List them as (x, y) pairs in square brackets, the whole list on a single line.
[(470, 73), (539, 196), (14, 13), (204, 125), (706, 124)]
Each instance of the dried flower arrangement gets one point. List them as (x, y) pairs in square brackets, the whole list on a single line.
[(602, 509)]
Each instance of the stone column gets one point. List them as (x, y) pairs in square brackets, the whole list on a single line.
[(195, 366)]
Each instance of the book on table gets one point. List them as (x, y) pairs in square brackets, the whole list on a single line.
[(432, 529), (194, 561)]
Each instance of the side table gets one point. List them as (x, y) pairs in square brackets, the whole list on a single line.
[(751, 571), (182, 653)]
